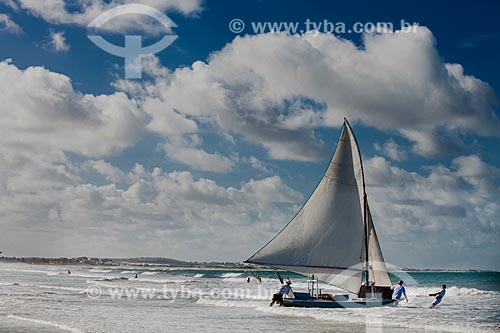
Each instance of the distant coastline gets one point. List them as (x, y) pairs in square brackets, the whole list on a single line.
[(140, 261), (168, 262)]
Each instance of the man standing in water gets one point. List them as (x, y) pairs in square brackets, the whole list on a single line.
[(398, 291), (284, 290), (439, 296)]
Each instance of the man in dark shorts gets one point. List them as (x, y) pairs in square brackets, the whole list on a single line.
[(284, 289), (439, 296)]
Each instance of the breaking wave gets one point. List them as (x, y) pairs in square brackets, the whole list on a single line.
[(46, 323)]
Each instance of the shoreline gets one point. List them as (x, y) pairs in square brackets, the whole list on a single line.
[(177, 264), (127, 262)]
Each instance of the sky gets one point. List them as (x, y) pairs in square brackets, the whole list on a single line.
[(229, 130)]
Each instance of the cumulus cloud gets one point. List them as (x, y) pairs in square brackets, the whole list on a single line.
[(6, 24), (448, 215), (198, 158), (147, 213), (271, 90), (57, 42), (276, 89), (392, 150), (82, 12), (40, 109)]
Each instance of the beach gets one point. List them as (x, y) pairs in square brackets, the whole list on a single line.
[(45, 298)]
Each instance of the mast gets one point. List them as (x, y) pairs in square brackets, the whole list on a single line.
[(365, 263), (365, 203)]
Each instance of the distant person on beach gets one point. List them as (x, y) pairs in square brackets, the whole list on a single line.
[(398, 290), (285, 289), (248, 280), (69, 272), (439, 296), (136, 276), (259, 278)]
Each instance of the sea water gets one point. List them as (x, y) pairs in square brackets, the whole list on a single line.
[(40, 298)]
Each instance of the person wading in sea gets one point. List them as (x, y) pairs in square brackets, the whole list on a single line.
[(398, 291), (285, 289), (439, 296)]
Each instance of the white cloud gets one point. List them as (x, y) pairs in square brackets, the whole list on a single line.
[(6, 24), (275, 89), (167, 121), (478, 174), (450, 216), (392, 150), (110, 172), (198, 159), (256, 163), (82, 12), (40, 109), (433, 143), (151, 213), (57, 42)]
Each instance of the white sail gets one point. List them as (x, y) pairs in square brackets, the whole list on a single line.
[(327, 236), (377, 269)]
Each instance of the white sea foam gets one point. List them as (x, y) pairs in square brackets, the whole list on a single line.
[(33, 271), (227, 303), (371, 317), (464, 309), (452, 291), (231, 275), (161, 281), (76, 274), (79, 290), (9, 284), (95, 270), (46, 323), (149, 273)]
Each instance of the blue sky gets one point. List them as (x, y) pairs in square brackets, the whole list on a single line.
[(227, 134)]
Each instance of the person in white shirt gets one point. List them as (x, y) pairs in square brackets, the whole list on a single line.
[(283, 290), (398, 291)]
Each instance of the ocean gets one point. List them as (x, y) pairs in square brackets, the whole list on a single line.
[(45, 298)]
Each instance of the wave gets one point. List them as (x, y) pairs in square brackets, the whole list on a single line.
[(452, 291), (95, 270), (149, 273), (46, 323), (231, 275), (9, 284), (112, 278), (86, 275), (228, 303), (49, 272), (199, 275), (377, 317), (61, 288), (162, 281)]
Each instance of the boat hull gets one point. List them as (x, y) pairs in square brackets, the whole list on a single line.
[(322, 303)]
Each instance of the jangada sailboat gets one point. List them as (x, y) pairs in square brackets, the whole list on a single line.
[(332, 238)]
